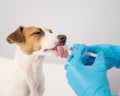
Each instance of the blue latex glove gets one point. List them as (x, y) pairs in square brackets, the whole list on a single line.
[(111, 53), (87, 80)]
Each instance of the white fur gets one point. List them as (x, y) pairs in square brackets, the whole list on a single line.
[(24, 76), (48, 42)]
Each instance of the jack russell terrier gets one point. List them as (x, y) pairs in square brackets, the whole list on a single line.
[(24, 77)]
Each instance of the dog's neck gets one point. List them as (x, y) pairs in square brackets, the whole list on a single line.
[(31, 65), (27, 61)]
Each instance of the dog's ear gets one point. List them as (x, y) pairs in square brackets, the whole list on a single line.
[(17, 36)]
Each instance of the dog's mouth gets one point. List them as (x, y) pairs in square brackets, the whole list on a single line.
[(59, 49), (51, 49)]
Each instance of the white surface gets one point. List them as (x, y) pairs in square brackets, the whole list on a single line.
[(114, 79), (56, 83)]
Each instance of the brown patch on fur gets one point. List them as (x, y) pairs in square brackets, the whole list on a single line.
[(16, 36), (26, 38)]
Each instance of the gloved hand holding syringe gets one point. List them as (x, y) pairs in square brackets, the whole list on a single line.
[(91, 80)]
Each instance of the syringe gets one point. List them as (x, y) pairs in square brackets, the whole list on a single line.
[(71, 48)]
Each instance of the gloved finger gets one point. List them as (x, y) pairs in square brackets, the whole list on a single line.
[(77, 59), (69, 58), (100, 60), (78, 51), (77, 45), (66, 66), (93, 48)]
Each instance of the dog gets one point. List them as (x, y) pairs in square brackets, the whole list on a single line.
[(24, 77)]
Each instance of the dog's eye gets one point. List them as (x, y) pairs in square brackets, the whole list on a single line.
[(39, 32)]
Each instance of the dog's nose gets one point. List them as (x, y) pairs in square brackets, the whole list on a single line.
[(62, 39)]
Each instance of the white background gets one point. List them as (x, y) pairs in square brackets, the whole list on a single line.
[(83, 21)]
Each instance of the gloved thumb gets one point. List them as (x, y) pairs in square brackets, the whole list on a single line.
[(100, 60)]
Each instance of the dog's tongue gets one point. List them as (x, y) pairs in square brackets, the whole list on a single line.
[(62, 52)]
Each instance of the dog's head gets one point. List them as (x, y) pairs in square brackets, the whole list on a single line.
[(34, 40)]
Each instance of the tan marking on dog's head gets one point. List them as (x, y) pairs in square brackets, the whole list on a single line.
[(28, 38)]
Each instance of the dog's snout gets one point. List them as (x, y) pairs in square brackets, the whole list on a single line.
[(62, 39)]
